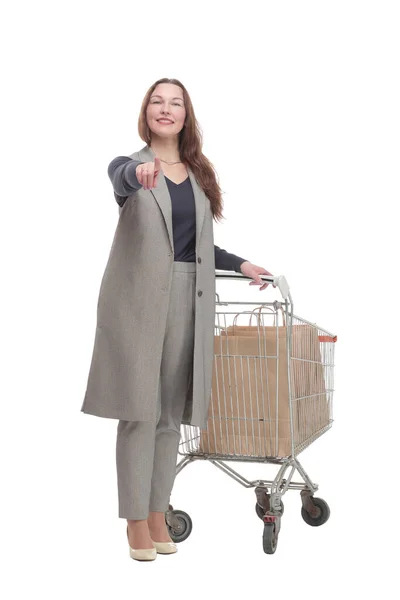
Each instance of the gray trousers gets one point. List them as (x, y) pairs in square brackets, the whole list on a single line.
[(146, 452)]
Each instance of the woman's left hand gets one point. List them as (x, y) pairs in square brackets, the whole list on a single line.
[(254, 271)]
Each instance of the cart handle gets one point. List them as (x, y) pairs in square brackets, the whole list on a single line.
[(279, 280)]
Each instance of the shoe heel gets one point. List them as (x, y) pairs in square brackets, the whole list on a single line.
[(145, 554)]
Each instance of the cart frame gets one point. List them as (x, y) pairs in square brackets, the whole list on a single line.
[(269, 505)]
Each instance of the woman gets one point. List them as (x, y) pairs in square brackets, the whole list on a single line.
[(153, 352)]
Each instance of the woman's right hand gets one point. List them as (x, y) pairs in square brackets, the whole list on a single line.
[(147, 173)]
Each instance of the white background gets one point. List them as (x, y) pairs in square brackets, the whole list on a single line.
[(299, 106)]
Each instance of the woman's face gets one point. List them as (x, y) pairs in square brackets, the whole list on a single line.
[(166, 102)]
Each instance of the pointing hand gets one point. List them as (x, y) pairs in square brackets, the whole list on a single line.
[(147, 173)]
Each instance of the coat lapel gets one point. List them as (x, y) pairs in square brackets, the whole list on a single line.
[(161, 194)]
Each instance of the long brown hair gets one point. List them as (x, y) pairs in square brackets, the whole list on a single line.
[(190, 144)]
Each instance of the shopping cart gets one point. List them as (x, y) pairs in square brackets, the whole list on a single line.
[(271, 398)]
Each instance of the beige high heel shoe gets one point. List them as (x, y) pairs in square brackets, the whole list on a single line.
[(141, 554)]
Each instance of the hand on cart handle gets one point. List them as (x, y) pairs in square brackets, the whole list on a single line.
[(254, 271)]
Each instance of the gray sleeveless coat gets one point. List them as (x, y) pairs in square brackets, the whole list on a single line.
[(133, 304)]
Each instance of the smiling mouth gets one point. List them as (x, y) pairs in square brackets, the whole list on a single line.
[(165, 121)]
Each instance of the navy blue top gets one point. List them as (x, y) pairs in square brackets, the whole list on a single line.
[(122, 172)]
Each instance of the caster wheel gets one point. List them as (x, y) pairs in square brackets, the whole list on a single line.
[(319, 515), (270, 538), (179, 525), (260, 511)]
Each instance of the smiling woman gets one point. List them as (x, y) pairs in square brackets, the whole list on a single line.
[(153, 353)]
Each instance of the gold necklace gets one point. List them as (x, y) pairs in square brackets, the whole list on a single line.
[(169, 163)]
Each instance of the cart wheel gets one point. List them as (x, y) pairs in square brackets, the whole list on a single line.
[(321, 513), (179, 525), (260, 511), (270, 538)]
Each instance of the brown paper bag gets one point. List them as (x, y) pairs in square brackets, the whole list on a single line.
[(249, 411), (310, 404)]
